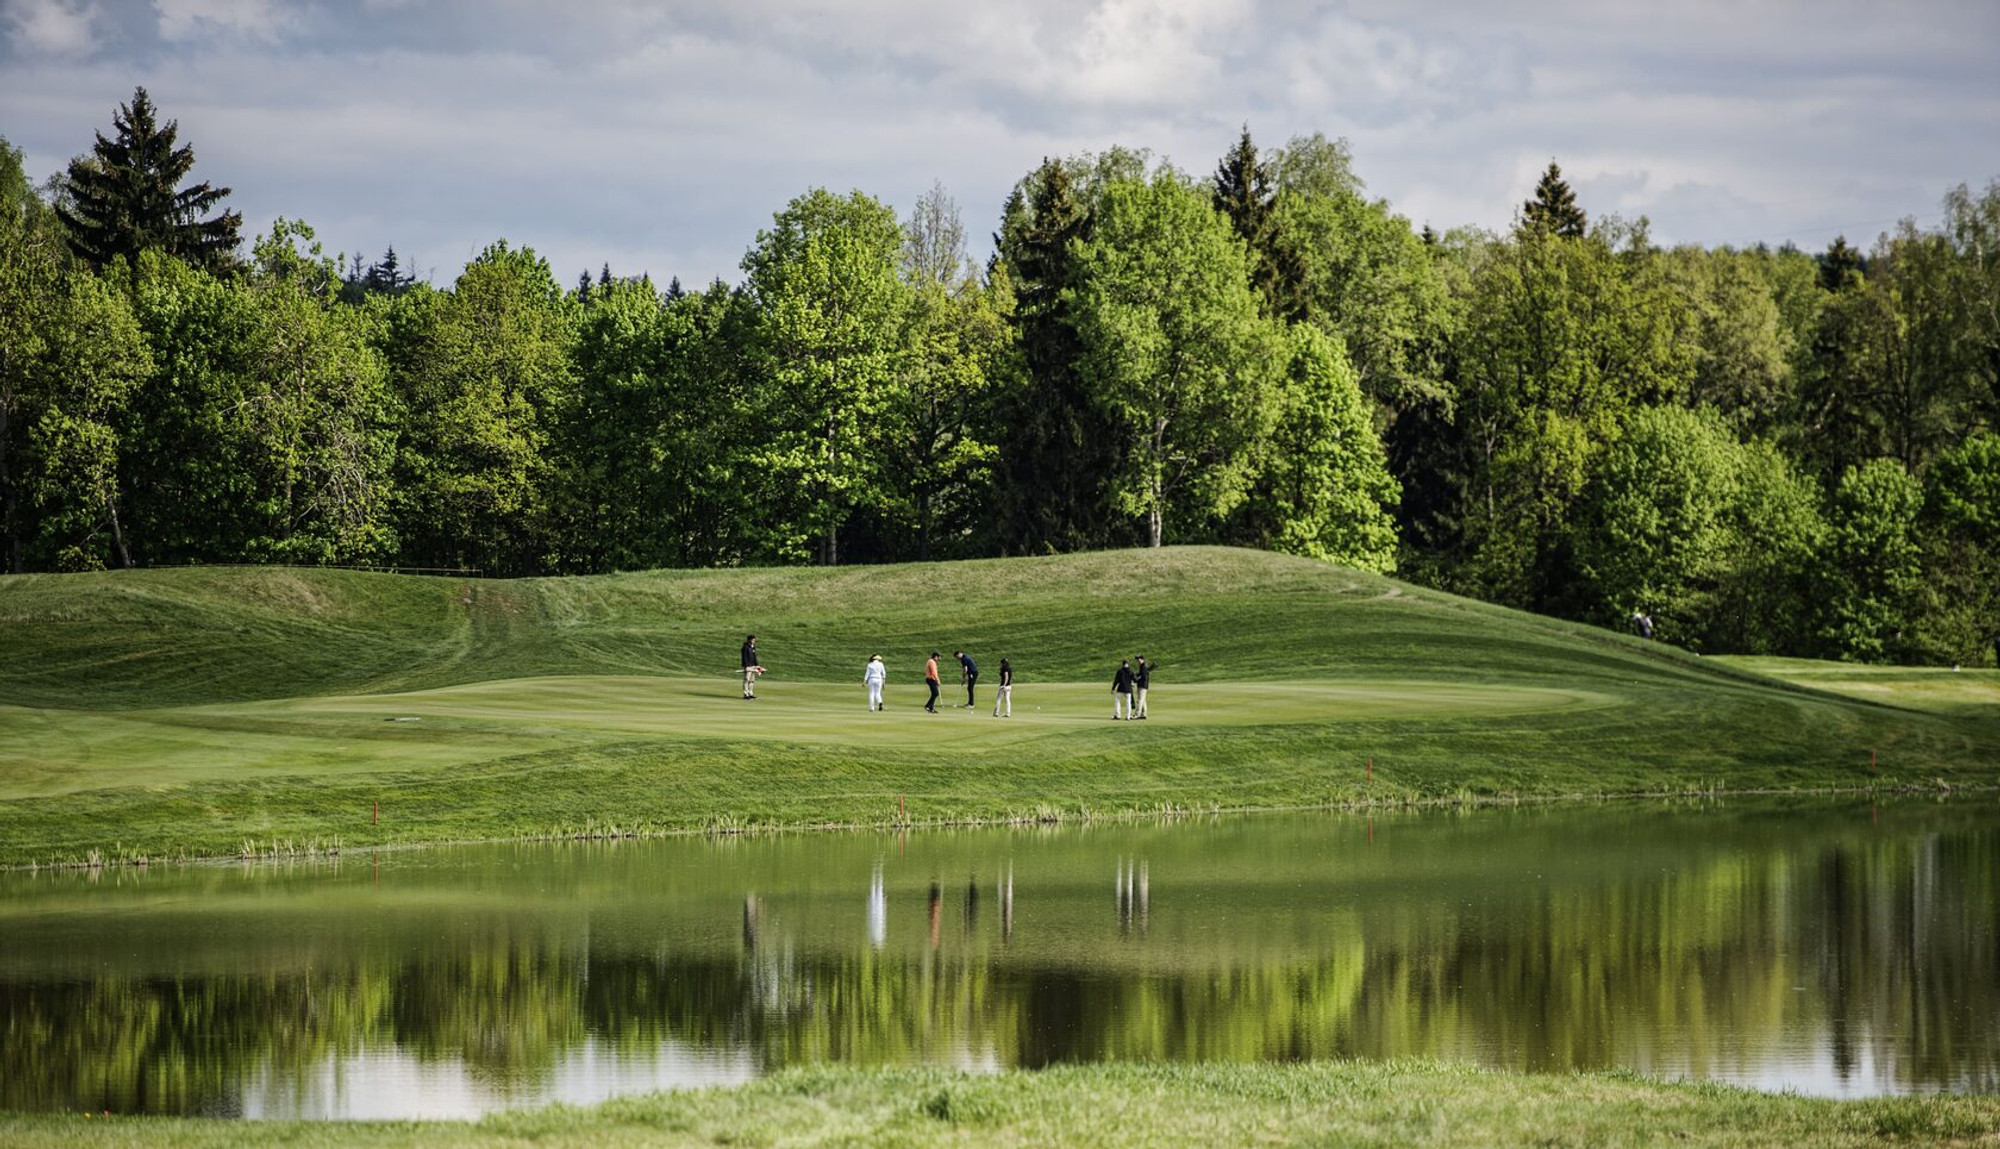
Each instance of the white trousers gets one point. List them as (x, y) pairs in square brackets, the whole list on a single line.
[(1004, 701), (874, 696), (1121, 704), (749, 681), (1139, 702)]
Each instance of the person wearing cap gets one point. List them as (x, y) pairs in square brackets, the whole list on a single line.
[(931, 680), (1142, 681), (874, 675), (1121, 690)]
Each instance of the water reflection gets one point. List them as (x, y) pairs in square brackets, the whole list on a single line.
[(1826, 950)]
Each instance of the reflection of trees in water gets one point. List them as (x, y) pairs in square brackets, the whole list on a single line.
[(1893, 938)]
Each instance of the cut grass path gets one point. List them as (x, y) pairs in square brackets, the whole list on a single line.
[(167, 713)]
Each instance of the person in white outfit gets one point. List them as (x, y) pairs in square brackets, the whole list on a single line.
[(1003, 702), (875, 675)]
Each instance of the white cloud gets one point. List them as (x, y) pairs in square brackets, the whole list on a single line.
[(53, 27), (661, 136), (187, 19)]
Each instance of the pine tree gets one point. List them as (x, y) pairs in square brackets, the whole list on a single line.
[(1553, 210), (126, 196), (1057, 449), (1246, 192), (385, 276), (1841, 267)]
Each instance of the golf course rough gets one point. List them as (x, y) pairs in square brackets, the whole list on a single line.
[(159, 714)]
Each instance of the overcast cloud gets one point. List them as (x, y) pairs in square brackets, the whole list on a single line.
[(660, 136)]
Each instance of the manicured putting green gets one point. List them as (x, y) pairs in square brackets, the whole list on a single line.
[(54, 752)]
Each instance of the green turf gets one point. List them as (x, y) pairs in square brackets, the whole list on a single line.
[(187, 712), (1344, 1103)]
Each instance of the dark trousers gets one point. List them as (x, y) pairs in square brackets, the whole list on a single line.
[(932, 704), (971, 680)]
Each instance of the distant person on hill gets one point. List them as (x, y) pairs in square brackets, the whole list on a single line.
[(931, 680), (750, 667), (1003, 700), (1142, 680), (968, 673), (874, 675), (1121, 691)]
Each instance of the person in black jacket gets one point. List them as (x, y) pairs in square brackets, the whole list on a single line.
[(1121, 691), (1142, 680), (968, 671), (750, 668), (1003, 701)]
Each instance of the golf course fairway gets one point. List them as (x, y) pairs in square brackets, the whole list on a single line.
[(158, 714)]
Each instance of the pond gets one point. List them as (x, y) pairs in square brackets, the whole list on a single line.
[(1841, 949)]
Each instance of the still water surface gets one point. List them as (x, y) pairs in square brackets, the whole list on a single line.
[(1838, 950)]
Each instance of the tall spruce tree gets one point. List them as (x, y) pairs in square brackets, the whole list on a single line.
[(1057, 449), (126, 197), (1553, 209), (1246, 191)]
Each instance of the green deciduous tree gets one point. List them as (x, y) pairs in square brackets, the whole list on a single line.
[(830, 306), (127, 196), (1562, 338), (1174, 351), (483, 374), (70, 356), (1871, 566), (1322, 486), (1655, 531), (1960, 531), (934, 437)]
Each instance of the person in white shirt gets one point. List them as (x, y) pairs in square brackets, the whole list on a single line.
[(875, 675)]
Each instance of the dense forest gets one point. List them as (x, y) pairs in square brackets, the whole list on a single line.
[(1765, 450)]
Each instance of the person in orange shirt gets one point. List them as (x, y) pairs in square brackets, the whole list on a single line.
[(931, 680)]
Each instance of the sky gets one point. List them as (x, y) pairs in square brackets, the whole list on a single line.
[(660, 136)]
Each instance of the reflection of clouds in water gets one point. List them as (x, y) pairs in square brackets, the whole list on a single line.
[(386, 1084), (878, 910)]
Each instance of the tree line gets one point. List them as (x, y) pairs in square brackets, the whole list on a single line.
[(1764, 449)]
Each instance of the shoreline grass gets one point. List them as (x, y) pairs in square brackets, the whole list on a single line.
[(1343, 1102)]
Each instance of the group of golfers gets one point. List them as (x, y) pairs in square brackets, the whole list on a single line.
[(1128, 686)]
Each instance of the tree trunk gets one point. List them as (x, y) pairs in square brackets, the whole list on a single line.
[(12, 505), (118, 537), (1153, 518), (923, 526)]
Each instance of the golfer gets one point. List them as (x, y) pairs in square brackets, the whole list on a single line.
[(931, 680), (1003, 701), (750, 668), (1142, 679), (968, 672), (1121, 691), (874, 675)]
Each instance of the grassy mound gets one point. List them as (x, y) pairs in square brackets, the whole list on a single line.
[(206, 711)]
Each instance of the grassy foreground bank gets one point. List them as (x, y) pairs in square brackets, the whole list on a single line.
[(204, 712), (1348, 1103)]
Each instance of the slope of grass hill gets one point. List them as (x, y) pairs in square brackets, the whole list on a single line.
[(204, 711)]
